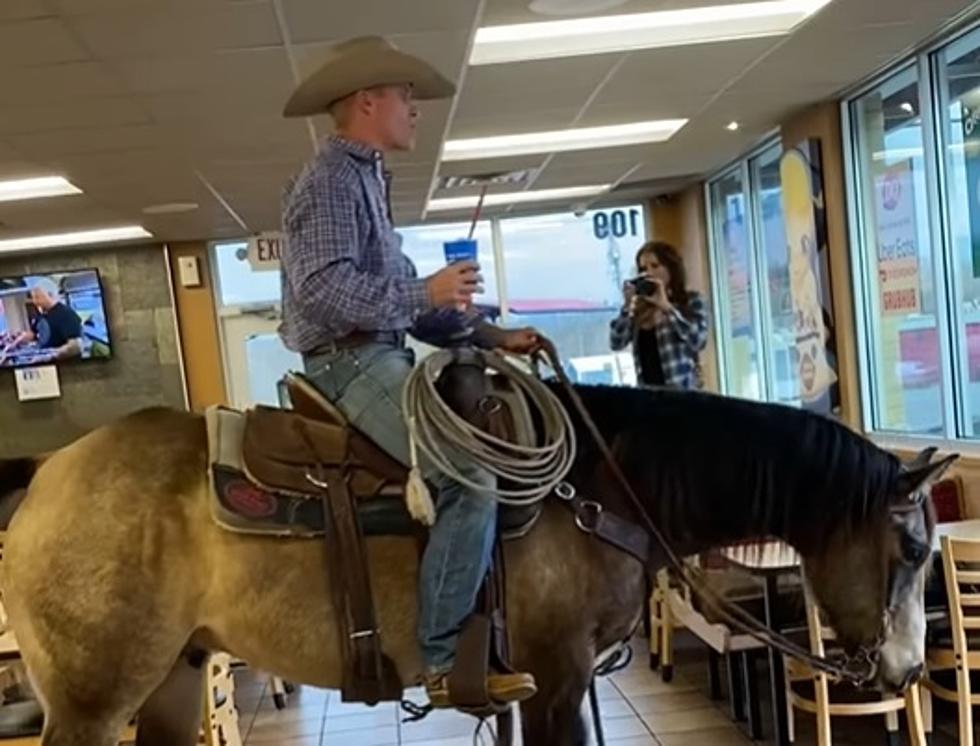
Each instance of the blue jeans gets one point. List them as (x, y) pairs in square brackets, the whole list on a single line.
[(366, 385)]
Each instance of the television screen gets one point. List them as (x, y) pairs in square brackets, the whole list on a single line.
[(52, 318)]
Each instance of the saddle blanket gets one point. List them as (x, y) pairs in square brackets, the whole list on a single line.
[(238, 504)]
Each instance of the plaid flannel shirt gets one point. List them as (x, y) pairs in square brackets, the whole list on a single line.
[(679, 340), (343, 269)]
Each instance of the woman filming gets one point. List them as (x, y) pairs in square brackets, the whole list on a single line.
[(666, 323)]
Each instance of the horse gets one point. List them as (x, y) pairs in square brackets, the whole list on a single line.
[(118, 583)]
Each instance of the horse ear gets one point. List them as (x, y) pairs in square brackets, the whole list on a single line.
[(921, 459), (913, 481)]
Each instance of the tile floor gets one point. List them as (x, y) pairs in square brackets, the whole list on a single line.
[(638, 710)]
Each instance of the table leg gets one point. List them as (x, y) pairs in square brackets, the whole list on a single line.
[(776, 671), (735, 686), (752, 704), (714, 675)]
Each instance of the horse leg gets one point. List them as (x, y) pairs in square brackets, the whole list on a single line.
[(553, 717), (65, 728), (68, 722), (172, 714)]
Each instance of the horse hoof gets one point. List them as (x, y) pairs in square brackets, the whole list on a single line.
[(667, 674), (289, 687), (654, 661), (279, 700)]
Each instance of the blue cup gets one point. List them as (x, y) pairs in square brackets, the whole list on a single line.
[(460, 250)]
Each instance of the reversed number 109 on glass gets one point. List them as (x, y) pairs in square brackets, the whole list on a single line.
[(617, 224)]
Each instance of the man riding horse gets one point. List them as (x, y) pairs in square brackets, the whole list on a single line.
[(350, 296)]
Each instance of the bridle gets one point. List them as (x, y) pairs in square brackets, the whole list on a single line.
[(859, 668)]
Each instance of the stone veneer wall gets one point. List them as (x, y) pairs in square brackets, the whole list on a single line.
[(144, 370)]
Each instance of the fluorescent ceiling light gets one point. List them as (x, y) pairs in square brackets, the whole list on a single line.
[(617, 33), (76, 238), (513, 198), (43, 186), (579, 138)]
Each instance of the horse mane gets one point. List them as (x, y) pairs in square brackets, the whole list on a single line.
[(730, 466)]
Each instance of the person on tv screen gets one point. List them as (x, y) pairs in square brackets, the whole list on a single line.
[(55, 328)]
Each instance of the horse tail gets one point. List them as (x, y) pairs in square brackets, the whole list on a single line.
[(15, 476)]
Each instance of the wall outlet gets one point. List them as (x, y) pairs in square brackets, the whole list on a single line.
[(190, 271)]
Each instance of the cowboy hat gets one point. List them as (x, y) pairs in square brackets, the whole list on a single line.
[(365, 62)]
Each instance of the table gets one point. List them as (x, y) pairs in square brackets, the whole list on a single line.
[(958, 530), (770, 560)]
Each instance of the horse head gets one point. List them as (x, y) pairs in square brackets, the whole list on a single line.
[(870, 581)]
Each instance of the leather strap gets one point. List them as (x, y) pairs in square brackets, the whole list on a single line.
[(369, 676), (358, 339), (468, 679), (483, 646), (363, 634), (608, 527)]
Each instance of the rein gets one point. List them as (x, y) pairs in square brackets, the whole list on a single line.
[(858, 669)]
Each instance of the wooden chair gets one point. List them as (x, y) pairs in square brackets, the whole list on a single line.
[(220, 712), (822, 707), (961, 571), (949, 500)]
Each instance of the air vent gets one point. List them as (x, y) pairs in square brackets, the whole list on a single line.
[(495, 177)]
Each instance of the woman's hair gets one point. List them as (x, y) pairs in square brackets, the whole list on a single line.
[(670, 258)]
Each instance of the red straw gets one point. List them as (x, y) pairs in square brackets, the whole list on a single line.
[(479, 209)]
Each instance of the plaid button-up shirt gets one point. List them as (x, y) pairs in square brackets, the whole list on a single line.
[(343, 269), (680, 338)]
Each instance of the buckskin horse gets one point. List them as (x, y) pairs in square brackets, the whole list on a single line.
[(117, 581)]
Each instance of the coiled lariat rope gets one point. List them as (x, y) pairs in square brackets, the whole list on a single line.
[(531, 471)]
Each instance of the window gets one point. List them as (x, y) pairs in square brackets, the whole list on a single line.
[(777, 301), (238, 284), (423, 245), (738, 332), (565, 274), (903, 344)]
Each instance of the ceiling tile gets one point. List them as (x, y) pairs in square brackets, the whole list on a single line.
[(38, 42), (48, 84), (316, 20), (167, 32), (88, 140), (530, 119), (240, 73), (21, 10), (501, 90), (67, 115), (704, 68)]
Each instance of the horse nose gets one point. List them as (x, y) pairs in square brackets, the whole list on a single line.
[(911, 677)]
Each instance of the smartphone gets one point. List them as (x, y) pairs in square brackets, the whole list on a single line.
[(644, 286)]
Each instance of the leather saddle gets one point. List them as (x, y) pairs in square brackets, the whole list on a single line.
[(314, 460), (281, 447)]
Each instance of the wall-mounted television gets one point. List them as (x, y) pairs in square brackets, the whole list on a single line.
[(52, 318)]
